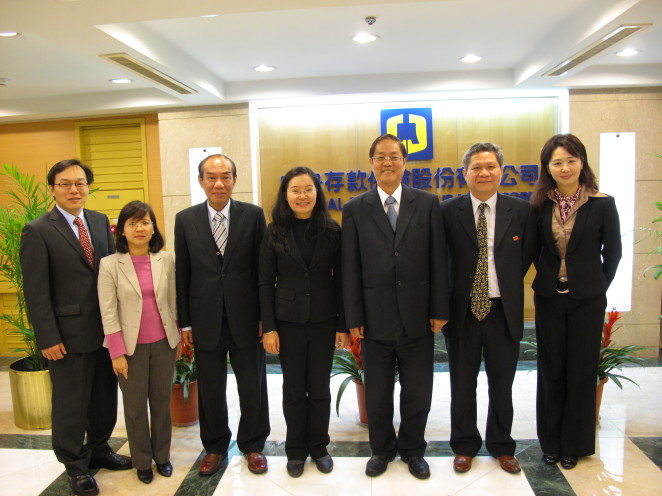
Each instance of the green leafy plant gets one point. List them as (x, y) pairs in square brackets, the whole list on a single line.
[(28, 199), (616, 357), (186, 370), (348, 362)]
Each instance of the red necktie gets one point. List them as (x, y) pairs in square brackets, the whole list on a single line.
[(84, 239)]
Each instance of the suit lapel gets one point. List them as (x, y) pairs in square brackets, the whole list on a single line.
[(294, 250), (377, 214), (236, 216), (467, 220), (407, 210), (201, 224), (502, 221), (156, 263), (548, 212), (62, 226), (578, 228), (125, 266)]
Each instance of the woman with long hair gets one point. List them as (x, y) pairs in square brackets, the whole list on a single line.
[(580, 247), (138, 308), (301, 311)]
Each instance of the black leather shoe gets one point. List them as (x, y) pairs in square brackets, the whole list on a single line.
[(550, 458), (295, 468), (324, 464), (164, 469), (112, 461), (145, 476), (568, 462), (377, 465), (83, 485), (418, 467)]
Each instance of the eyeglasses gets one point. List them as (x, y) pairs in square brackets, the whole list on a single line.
[(80, 186), (393, 160), (144, 224), (298, 192)]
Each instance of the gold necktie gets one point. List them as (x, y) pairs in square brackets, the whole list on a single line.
[(480, 295)]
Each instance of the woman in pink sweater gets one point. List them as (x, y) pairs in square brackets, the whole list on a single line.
[(137, 300)]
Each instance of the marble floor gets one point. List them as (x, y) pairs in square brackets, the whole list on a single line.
[(628, 461)]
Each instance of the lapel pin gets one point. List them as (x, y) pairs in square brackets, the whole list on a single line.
[(515, 238)]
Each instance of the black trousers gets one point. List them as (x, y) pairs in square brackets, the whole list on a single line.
[(569, 334), (250, 372), (84, 404), (414, 360), (306, 355), (490, 338)]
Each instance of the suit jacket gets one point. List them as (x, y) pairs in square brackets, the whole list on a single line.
[(593, 251), (394, 281), (292, 291), (121, 299), (514, 247), (60, 286), (209, 285)]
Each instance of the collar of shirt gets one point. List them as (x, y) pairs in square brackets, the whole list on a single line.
[(70, 220), (475, 203), (397, 194), (226, 212), (490, 218)]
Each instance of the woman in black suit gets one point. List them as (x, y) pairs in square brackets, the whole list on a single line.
[(580, 247), (301, 310)]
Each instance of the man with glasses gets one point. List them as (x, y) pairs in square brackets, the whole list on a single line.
[(60, 254), (395, 294), (217, 244)]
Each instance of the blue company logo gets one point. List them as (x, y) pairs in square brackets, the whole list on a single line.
[(414, 127)]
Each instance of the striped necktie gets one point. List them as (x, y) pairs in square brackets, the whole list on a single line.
[(391, 213), (219, 232), (480, 295), (84, 239)]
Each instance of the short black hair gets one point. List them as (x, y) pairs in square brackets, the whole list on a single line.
[(137, 210), (480, 147), (391, 137), (65, 164), (217, 155)]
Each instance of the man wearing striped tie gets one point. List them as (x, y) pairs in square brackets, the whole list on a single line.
[(217, 244), (491, 240), (60, 254)]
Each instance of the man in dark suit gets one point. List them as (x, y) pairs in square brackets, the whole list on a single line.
[(217, 244), (395, 294), (60, 254), (491, 240)]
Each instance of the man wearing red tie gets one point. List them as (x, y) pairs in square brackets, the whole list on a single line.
[(60, 254)]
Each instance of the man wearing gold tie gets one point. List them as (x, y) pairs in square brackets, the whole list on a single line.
[(491, 241)]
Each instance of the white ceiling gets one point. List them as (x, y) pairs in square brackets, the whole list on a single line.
[(54, 68)]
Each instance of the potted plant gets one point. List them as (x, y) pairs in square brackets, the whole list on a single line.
[(28, 377), (184, 397), (349, 362), (614, 358)]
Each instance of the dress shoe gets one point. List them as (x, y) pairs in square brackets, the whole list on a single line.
[(112, 461), (210, 464), (324, 464), (257, 462), (145, 476), (164, 469), (550, 458), (377, 465), (83, 485), (295, 468), (509, 464), (462, 463), (568, 462), (418, 467)]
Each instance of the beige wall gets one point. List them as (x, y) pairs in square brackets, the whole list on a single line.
[(224, 126), (640, 111)]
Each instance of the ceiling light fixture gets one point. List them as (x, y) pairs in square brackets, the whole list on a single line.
[(8, 34), (365, 38), (121, 81), (628, 52), (264, 68), (471, 58)]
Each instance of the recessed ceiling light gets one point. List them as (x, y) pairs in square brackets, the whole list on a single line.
[(628, 52), (365, 38), (470, 59), (121, 81), (8, 34), (264, 68)]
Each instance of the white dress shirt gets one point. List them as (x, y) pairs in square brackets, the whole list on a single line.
[(490, 217)]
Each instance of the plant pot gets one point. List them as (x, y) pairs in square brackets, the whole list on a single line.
[(598, 398), (182, 413), (31, 394), (360, 399)]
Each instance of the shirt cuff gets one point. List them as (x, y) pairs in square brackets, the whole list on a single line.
[(116, 346)]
